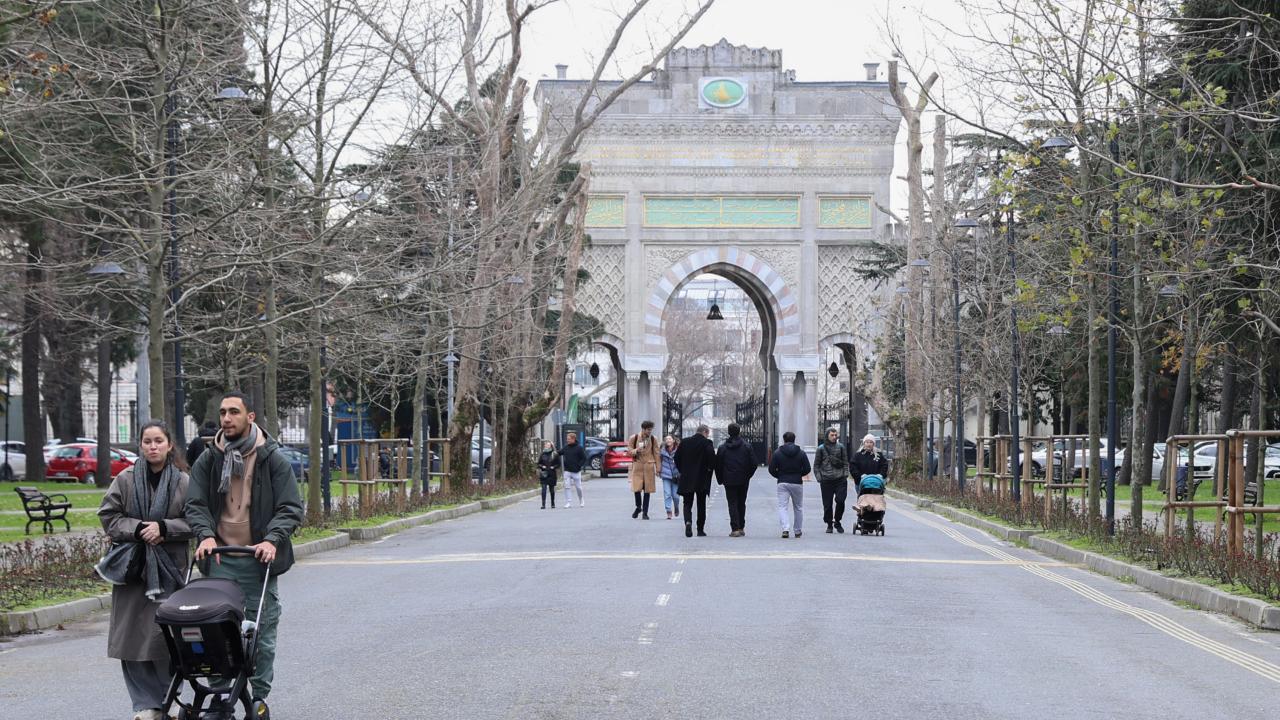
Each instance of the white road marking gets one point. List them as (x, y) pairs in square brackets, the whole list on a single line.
[(662, 600), (646, 635), (681, 561), (675, 577), (1164, 624), (680, 558), (629, 673)]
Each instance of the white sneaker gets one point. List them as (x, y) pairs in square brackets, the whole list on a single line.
[(149, 715)]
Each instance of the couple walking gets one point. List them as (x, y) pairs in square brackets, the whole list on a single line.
[(693, 462), (573, 459)]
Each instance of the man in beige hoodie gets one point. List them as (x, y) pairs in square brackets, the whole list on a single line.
[(243, 492)]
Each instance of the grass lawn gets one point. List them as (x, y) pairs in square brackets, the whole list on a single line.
[(90, 588), (80, 496), (11, 526), (1153, 500)]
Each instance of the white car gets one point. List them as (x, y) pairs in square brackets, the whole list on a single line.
[(13, 466), (1271, 461), (1202, 467)]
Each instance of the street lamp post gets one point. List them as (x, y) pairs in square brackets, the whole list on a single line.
[(175, 291), (104, 270), (1017, 359), (957, 444), (1113, 429)]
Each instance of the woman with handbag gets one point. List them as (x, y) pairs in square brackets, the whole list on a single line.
[(670, 477), (142, 513)]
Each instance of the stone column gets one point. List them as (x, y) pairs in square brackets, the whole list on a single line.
[(653, 389), (634, 409), (807, 415), (786, 406)]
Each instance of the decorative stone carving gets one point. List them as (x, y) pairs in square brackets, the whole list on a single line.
[(842, 294), (602, 295), (784, 259), (872, 130), (660, 258)]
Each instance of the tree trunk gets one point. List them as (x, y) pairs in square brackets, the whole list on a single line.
[(1094, 411), (271, 373), (32, 409), (1182, 389), (1227, 410)]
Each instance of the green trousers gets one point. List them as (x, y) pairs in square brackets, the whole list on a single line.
[(247, 572)]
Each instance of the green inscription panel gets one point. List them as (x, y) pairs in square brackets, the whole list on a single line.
[(722, 212), (844, 212), (606, 211)]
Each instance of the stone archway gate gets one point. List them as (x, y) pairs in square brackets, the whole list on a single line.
[(725, 163)]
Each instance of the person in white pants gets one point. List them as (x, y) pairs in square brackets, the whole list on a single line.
[(790, 465), (573, 459)]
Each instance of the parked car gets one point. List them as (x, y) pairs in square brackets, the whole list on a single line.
[(298, 460), (616, 459), (595, 449), (78, 462), (475, 451), (13, 464), (1271, 461), (55, 443)]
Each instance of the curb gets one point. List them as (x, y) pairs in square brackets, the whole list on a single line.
[(1255, 612), (1001, 531), (394, 526), (23, 621), (12, 623)]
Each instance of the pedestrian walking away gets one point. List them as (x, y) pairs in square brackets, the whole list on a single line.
[(868, 461), (735, 464), (670, 475), (243, 492), (695, 459), (201, 441), (142, 514), (548, 465), (646, 459), (790, 465), (573, 458), (831, 465)]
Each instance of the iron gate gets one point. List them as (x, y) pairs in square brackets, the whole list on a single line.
[(672, 417), (752, 417), (834, 415), (603, 420)]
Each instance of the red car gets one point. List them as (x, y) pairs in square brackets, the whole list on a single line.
[(78, 462), (616, 459)]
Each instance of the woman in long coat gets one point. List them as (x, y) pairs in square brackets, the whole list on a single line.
[(133, 514), (646, 459)]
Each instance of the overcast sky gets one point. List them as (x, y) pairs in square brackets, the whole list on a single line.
[(819, 39)]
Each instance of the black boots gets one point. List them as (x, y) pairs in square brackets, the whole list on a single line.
[(688, 529)]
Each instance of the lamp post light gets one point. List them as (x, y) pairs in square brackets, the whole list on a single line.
[(957, 444), (1014, 430)]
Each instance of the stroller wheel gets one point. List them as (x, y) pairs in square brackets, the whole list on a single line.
[(882, 530)]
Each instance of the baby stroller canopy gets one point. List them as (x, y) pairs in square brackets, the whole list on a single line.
[(204, 600)]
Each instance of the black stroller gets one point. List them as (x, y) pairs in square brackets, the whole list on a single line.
[(211, 646), (870, 506)]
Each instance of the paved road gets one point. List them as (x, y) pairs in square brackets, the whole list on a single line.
[(586, 613)]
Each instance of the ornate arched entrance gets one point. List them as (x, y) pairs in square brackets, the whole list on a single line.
[(778, 192)]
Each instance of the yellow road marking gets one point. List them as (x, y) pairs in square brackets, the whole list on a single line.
[(532, 556), (1164, 624)]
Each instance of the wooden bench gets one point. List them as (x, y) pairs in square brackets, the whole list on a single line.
[(43, 508)]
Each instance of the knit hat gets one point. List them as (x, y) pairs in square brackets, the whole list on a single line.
[(870, 437)]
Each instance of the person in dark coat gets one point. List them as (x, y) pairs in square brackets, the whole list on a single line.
[(868, 461), (735, 464), (145, 505), (573, 458), (548, 464), (790, 465), (831, 464), (243, 492), (201, 441), (696, 461)]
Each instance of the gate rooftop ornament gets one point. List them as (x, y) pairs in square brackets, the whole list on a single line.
[(725, 163)]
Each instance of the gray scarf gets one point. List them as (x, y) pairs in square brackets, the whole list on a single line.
[(235, 450), (161, 576)]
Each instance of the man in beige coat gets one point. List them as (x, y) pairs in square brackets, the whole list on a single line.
[(646, 458)]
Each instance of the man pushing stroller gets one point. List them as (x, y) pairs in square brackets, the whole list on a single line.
[(869, 468)]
